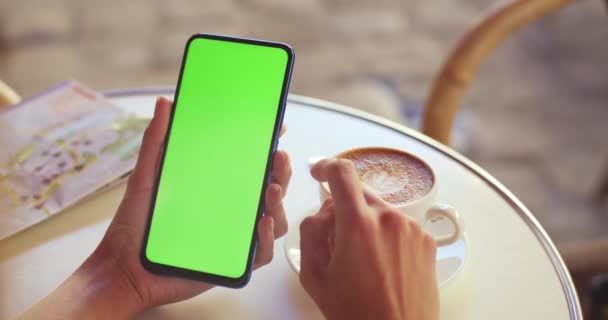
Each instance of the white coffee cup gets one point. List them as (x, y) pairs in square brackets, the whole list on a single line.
[(426, 211)]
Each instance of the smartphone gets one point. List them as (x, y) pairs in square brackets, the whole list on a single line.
[(216, 162)]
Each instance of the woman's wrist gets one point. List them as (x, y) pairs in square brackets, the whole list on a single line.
[(98, 289), (108, 290)]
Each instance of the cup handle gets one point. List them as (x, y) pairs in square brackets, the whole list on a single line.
[(450, 213)]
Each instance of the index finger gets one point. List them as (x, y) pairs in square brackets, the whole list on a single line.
[(144, 173), (345, 186)]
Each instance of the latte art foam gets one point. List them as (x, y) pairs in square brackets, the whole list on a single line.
[(397, 177)]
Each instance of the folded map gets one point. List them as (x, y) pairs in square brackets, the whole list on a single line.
[(59, 147)]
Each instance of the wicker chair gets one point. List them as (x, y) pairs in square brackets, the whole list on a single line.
[(8, 96), (584, 260)]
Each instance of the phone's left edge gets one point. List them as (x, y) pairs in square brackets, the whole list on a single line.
[(147, 263)]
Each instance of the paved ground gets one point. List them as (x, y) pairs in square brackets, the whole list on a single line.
[(537, 115)]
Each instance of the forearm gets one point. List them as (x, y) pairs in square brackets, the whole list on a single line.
[(97, 290)]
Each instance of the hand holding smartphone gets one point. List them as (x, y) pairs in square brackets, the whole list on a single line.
[(224, 128)]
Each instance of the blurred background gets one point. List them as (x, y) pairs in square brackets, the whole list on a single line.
[(536, 116)]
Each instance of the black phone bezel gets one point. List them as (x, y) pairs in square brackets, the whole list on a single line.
[(194, 274)]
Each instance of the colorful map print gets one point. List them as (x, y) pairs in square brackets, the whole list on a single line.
[(58, 148)]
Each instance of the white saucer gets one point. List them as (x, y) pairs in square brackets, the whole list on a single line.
[(450, 258)]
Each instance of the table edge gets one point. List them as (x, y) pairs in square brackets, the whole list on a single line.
[(523, 212)]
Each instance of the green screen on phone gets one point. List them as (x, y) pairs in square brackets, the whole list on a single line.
[(226, 117)]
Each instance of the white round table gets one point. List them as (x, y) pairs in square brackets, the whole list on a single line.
[(512, 271)]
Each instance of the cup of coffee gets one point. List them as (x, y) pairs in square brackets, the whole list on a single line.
[(408, 184)]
